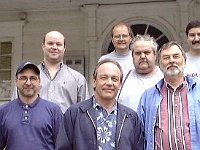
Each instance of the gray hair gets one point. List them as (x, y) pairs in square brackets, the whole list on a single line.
[(168, 45), (145, 37)]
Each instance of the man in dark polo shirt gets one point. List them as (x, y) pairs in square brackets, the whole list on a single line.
[(29, 122)]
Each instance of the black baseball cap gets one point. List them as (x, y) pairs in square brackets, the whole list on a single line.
[(27, 65)]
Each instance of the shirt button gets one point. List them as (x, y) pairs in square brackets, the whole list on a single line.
[(25, 118), (26, 106), (25, 112)]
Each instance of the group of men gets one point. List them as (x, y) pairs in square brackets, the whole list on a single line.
[(163, 96)]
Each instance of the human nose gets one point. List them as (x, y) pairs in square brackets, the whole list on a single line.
[(28, 81), (142, 55), (196, 38), (171, 59), (109, 81), (54, 46), (121, 37)]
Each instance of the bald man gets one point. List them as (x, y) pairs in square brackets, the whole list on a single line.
[(60, 83)]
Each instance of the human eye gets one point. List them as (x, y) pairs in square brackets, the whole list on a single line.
[(137, 53), (33, 78), (59, 44), (103, 77), (147, 52), (116, 36), (49, 43), (23, 78), (165, 57), (191, 34), (125, 35), (115, 79), (176, 56)]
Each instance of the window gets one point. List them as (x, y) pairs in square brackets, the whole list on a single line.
[(76, 62), (5, 70)]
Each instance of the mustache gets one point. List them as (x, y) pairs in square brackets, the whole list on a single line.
[(194, 42), (173, 65)]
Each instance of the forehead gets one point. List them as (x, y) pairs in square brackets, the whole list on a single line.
[(142, 45), (54, 36), (171, 50), (120, 28), (108, 68), (194, 30)]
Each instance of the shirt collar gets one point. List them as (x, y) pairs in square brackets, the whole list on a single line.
[(61, 64), (182, 85), (97, 106), (30, 105)]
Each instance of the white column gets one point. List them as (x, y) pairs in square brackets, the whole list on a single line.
[(184, 19), (91, 40)]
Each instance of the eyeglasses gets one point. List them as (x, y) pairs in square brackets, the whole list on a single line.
[(121, 36), (32, 79)]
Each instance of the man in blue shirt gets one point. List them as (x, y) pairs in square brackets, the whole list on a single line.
[(29, 122), (170, 110)]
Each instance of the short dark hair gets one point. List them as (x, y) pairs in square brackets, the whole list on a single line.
[(126, 25), (107, 60), (192, 24)]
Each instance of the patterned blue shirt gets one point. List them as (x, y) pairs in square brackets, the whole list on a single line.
[(106, 126)]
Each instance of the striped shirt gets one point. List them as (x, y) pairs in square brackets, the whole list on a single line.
[(172, 124)]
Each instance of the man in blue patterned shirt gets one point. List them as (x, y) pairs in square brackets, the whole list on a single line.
[(101, 123)]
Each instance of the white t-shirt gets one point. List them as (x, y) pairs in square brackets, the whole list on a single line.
[(192, 65), (135, 85), (125, 61)]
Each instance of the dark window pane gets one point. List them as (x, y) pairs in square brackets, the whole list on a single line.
[(154, 32), (162, 41), (138, 28), (6, 47), (111, 47)]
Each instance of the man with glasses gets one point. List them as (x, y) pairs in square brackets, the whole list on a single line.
[(29, 122), (122, 36), (59, 83)]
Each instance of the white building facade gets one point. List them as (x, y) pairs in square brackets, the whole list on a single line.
[(87, 27)]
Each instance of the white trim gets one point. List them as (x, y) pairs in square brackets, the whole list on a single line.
[(13, 31)]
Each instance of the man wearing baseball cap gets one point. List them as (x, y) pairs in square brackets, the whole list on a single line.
[(29, 122)]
